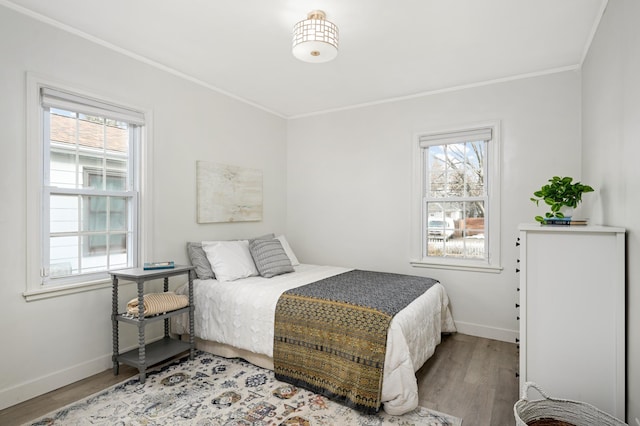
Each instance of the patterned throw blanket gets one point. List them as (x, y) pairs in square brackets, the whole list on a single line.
[(331, 335)]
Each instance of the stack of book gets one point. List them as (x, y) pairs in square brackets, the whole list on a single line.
[(564, 221), (159, 265)]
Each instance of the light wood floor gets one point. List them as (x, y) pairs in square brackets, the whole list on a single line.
[(468, 377), (471, 378)]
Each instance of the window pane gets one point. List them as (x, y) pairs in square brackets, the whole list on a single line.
[(63, 254), (92, 261), (96, 244), (455, 164), (90, 172), (116, 175), (105, 213), (441, 227), (63, 126), (118, 214), (105, 220), (96, 213), (117, 136), (456, 229), (437, 177), (118, 243), (473, 226), (119, 259), (91, 132), (63, 213), (62, 168), (474, 171)]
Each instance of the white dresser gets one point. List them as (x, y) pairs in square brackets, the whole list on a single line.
[(572, 313)]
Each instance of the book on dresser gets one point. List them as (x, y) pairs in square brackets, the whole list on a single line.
[(564, 221)]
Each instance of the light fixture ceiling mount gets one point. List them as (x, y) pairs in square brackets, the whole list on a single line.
[(315, 39)]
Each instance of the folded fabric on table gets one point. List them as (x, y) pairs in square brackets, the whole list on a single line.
[(157, 303)]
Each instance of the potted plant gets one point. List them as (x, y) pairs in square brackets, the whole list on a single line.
[(560, 193)]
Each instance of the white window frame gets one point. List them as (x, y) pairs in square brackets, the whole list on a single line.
[(492, 262), (36, 235)]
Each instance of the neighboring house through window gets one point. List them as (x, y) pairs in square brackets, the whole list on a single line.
[(89, 185), (456, 198)]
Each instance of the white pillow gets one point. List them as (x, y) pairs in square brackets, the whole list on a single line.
[(287, 249), (230, 260)]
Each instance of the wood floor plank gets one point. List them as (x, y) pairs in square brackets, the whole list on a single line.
[(43, 404), (468, 377), (471, 378)]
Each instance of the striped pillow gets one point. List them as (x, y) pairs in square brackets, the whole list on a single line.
[(269, 257), (198, 258)]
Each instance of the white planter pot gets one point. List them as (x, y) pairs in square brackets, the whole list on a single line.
[(567, 211)]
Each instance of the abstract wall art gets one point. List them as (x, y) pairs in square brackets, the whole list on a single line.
[(228, 193)]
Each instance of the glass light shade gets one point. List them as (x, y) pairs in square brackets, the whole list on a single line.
[(315, 39)]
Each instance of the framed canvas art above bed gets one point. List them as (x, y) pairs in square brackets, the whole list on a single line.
[(228, 193)]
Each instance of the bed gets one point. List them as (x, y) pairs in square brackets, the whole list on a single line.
[(235, 318)]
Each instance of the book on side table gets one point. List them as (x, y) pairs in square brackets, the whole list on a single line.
[(159, 265)]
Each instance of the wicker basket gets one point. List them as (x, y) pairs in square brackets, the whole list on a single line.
[(551, 411)]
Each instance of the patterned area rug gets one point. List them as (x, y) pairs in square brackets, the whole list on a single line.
[(211, 390)]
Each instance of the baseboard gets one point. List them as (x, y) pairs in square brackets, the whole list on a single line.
[(41, 385), (494, 333), (36, 387)]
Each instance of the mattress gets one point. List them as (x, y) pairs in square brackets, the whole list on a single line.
[(240, 314)]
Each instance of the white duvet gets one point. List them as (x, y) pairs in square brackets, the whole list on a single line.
[(241, 314)]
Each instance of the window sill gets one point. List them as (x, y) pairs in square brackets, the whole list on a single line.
[(457, 266), (63, 290)]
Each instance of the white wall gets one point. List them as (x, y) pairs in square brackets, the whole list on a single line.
[(610, 132), (52, 342), (349, 183)]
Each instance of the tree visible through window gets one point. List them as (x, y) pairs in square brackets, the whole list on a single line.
[(455, 196)]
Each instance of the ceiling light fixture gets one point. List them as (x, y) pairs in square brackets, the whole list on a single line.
[(315, 39)]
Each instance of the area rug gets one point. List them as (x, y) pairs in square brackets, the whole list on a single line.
[(211, 390)]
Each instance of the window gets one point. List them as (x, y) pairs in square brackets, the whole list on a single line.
[(88, 183), (457, 198)]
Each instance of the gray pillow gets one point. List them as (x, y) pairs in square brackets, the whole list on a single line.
[(264, 237), (269, 257), (198, 258)]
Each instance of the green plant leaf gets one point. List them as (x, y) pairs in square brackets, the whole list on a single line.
[(560, 191)]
